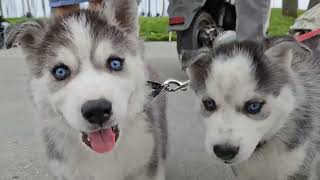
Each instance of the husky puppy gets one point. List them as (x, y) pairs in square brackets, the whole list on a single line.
[(88, 83), (260, 103)]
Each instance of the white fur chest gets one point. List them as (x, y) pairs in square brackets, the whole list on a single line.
[(273, 163)]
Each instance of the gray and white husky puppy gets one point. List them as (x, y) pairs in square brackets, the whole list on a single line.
[(260, 104), (88, 82)]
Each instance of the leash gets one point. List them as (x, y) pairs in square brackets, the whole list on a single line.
[(308, 35), (170, 85)]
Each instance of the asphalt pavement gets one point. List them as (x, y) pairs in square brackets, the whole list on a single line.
[(22, 156)]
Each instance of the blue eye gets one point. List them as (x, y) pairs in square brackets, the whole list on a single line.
[(61, 72), (115, 63), (253, 107), (210, 104)]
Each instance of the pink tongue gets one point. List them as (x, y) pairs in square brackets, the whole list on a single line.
[(102, 141)]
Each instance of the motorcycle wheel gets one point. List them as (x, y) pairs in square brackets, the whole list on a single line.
[(189, 39)]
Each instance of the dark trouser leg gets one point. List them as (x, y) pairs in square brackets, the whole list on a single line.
[(252, 17)]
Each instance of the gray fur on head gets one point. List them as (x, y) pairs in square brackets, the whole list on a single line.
[(125, 14), (30, 34), (270, 52), (282, 48), (197, 62), (120, 13), (189, 57)]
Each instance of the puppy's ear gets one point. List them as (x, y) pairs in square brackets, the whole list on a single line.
[(197, 63), (286, 50), (30, 34), (125, 12), (191, 57)]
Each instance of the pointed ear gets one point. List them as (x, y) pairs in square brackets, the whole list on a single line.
[(287, 51), (197, 64), (30, 34), (190, 57), (124, 12)]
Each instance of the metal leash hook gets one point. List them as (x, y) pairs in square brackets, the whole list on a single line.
[(172, 85)]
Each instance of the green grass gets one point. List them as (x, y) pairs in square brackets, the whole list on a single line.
[(155, 28), (279, 24), (17, 20)]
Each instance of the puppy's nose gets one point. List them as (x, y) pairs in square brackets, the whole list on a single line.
[(226, 152), (97, 111)]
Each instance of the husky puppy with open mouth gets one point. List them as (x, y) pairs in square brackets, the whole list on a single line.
[(260, 104), (89, 84)]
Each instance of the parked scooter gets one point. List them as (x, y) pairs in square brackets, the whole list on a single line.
[(199, 22)]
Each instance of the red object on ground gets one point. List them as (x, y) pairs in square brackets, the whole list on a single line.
[(308, 35)]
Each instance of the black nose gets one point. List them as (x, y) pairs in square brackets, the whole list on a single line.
[(225, 152), (97, 111)]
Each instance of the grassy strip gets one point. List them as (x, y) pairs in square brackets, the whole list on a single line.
[(17, 20), (279, 24), (155, 28)]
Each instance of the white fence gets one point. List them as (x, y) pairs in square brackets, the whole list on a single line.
[(40, 8), (18, 8)]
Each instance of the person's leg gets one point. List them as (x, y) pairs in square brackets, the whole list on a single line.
[(61, 7), (60, 11), (252, 18), (94, 4)]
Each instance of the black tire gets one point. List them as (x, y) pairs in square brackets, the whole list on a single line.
[(189, 39)]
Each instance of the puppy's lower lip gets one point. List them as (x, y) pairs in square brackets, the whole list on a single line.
[(85, 139), (116, 131)]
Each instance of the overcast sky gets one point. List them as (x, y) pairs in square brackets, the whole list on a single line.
[(14, 7)]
